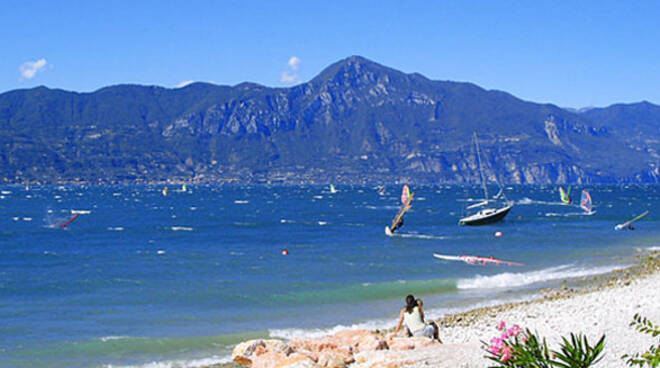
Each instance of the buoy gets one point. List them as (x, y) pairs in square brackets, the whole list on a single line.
[(285, 252), (498, 234)]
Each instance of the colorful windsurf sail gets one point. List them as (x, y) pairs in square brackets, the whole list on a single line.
[(406, 201), (64, 224), (565, 196), (405, 195), (585, 202)]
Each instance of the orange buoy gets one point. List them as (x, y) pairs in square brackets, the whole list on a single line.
[(498, 234), (285, 252)]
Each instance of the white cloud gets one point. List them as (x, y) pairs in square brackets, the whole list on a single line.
[(291, 76), (184, 83), (293, 62), (30, 68)]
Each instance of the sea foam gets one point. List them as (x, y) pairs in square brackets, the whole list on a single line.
[(511, 279)]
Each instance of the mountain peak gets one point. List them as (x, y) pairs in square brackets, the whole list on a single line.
[(353, 68)]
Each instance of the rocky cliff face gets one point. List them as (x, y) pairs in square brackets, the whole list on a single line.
[(356, 121)]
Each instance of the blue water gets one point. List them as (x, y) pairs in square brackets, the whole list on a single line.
[(145, 278)]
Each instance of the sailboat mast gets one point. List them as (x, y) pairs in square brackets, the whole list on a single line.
[(481, 171)]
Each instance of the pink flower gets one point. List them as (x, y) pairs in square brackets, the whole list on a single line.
[(506, 354), (504, 336), (524, 339), (494, 349), (501, 326), (516, 330)]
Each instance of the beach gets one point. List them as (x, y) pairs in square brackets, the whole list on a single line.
[(603, 304)]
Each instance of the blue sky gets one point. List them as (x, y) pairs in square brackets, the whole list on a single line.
[(571, 53)]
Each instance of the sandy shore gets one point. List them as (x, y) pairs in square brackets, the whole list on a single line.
[(603, 304)]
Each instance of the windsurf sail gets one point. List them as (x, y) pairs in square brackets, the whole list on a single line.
[(585, 202), (406, 201), (405, 195), (476, 260), (333, 189), (64, 224), (165, 191), (628, 224), (565, 196)]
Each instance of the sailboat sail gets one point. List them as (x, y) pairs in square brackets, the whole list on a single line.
[(491, 211), (481, 171), (585, 202)]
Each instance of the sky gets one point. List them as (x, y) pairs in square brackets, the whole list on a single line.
[(570, 53)]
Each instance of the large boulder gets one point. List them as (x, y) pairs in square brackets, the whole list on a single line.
[(247, 352)]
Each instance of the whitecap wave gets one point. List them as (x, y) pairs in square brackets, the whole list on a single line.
[(241, 201), (181, 228), (192, 363), (568, 214), (511, 279), (110, 338), (118, 228), (418, 236), (81, 212), (297, 333), (385, 323)]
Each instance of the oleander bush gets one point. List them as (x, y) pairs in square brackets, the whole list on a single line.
[(651, 357), (517, 348)]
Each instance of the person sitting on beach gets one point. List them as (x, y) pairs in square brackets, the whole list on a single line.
[(413, 317)]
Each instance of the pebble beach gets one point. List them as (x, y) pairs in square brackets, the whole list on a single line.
[(593, 306)]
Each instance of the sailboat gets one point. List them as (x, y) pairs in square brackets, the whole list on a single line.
[(585, 203), (490, 210), (333, 189)]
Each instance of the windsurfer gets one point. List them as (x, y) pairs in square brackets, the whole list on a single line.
[(397, 225)]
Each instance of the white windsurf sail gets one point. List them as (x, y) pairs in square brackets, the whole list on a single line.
[(628, 224)]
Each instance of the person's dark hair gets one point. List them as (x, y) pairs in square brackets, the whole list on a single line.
[(411, 303)]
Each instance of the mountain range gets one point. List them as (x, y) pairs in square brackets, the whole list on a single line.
[(357, 121)]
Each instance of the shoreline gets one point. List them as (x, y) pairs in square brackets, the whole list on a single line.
[(646, 265), (462, 332)]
